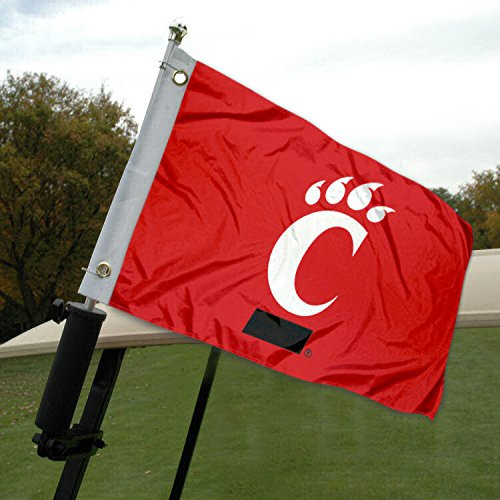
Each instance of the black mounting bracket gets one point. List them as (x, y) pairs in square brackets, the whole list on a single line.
[(78, 442), (76, 445), (58, 311)]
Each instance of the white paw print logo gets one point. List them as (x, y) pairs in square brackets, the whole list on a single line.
[(292, 245)]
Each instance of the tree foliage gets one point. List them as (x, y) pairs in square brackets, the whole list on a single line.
[(62, 152), (478, 202)]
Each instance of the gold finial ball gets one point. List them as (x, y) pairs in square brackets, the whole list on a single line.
[(178, 30)]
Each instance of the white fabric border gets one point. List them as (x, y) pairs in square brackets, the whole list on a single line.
[(138, 177)]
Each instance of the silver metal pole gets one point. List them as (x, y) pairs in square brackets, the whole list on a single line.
[(177, 31), (90, 304)]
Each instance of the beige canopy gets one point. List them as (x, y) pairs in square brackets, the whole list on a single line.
[(479, 307), (120, 329), (480, 303)]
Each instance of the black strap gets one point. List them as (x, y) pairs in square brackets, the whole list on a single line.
[(194, 427)]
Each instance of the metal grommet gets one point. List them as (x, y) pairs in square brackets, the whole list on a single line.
[(180, 77), (103, 270)]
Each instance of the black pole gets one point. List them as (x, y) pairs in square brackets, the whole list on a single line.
[(91, 421), (62, 392), (69, 369), (194, 427)]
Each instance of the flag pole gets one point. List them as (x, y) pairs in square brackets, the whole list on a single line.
[(69, 369), (77, 444)]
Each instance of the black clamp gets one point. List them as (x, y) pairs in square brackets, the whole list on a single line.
[(58, 311), (78, 442)]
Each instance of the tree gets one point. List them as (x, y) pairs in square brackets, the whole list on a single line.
[(478, 202), (62, 152)]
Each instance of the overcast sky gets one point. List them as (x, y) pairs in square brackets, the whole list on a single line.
[(415, 85)]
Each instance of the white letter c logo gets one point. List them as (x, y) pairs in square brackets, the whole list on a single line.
[(290, 249)]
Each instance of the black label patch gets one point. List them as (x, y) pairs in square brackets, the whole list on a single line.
[(277, 331)]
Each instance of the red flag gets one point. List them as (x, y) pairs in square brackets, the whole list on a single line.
[(265, 237)]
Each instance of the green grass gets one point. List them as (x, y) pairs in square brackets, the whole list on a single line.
[(265, 435)]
